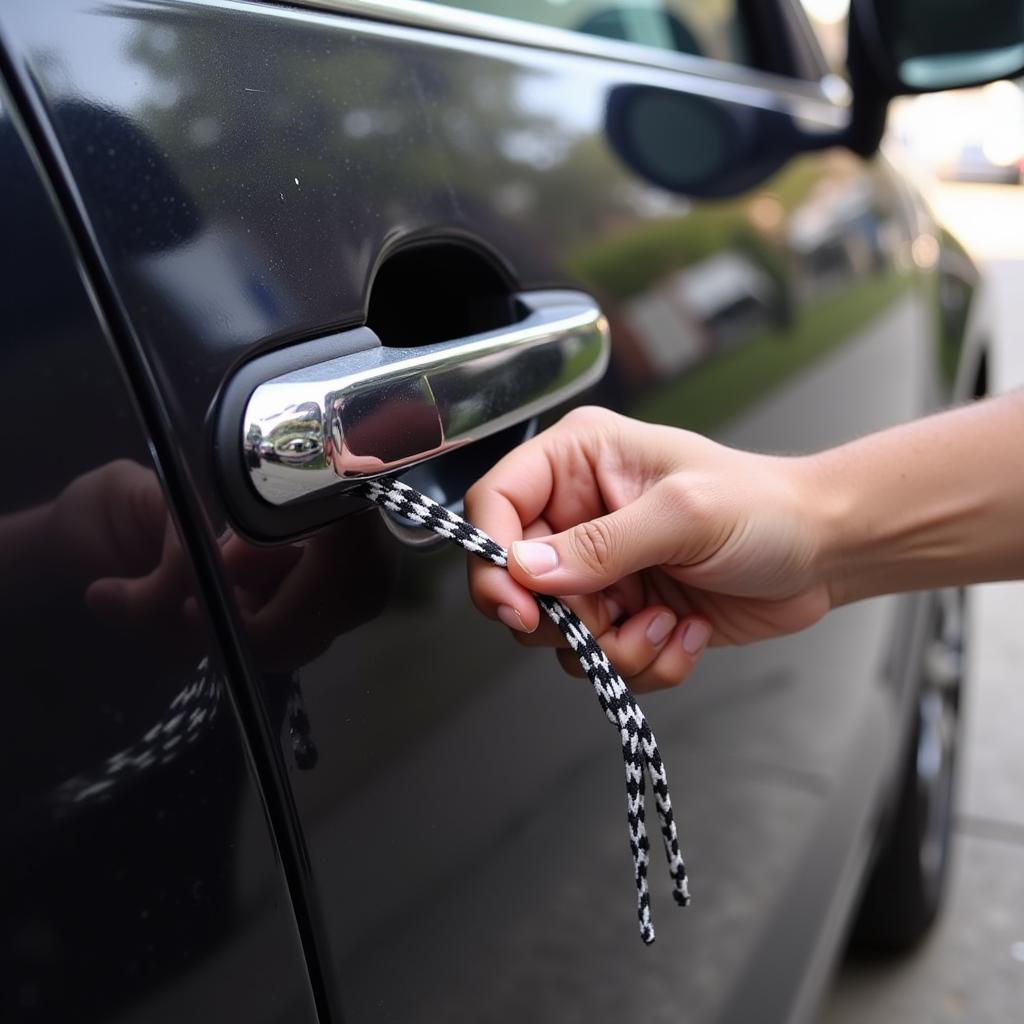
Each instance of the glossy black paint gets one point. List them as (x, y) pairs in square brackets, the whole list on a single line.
[(457, 847), (138, 890)]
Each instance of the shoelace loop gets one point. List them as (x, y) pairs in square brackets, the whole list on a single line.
[(640, 753)]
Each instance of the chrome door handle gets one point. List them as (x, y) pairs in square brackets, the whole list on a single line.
[(384, 408)]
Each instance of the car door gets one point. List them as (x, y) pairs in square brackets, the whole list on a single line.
[(141, 878), (256, 178)]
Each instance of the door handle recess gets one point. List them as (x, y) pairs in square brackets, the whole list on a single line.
[(380, 409)]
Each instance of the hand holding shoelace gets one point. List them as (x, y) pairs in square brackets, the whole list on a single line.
[(662, 540), (670, 541)]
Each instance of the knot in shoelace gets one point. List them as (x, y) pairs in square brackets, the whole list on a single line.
[(639, 749)]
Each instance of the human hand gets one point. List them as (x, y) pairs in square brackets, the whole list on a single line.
[(661, 540)]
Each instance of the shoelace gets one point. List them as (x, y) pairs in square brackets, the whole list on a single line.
[(639, 748)]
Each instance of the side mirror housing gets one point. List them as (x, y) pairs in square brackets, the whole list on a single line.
[(908, 47), (708, 148)]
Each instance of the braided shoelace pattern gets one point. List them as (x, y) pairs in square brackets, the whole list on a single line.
[(187, 718), (639, 748)]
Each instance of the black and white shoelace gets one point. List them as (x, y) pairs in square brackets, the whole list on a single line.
[(639, 748)]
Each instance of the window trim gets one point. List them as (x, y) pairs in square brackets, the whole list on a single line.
[(815, 67), (424, 14)]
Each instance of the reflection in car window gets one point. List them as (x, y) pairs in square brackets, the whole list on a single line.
[(707, 28)]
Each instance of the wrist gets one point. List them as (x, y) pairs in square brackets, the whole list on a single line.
[(826, 505), (895, 518)]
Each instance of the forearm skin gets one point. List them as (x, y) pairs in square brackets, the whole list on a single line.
[(938, 502)]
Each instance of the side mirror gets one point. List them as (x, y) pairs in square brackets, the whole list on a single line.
[(703, 147), (697, 146), (927, 45), (907, 47)]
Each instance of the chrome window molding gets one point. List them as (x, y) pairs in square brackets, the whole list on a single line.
[(438, 17)]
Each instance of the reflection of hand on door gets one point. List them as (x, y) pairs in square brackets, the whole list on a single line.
[(113, 536), (296, 599), (108, 539)]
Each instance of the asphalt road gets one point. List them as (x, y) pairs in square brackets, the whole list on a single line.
[(971, 969)]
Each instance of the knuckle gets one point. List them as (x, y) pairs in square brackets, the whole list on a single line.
[(593, 544), (482, 605), (656, 679), (692, 502), (682, 496), (586, 415), (474, 497), (667, 680), (118, 466), (483, 601), (630, 660)]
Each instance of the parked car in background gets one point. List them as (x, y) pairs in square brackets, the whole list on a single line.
[(263, 761)]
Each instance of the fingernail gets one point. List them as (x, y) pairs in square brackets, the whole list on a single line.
[(659, 628), (534, 557), (511, 618), (613, 609), (695, 637)]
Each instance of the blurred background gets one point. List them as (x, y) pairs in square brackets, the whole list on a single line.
[(966, 150)]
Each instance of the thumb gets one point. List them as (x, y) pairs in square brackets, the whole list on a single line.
[(599, 552)]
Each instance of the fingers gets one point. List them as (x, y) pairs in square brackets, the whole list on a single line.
[(136, 599), (634, 645), (258, 569), (551, 473), (676, 659), (597, 553), (584, 508), (646, 662), (598, 611), (494, 592)]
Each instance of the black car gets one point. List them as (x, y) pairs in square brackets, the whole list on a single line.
[(263, 761)]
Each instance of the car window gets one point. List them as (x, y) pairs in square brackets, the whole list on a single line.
[(707, 28)]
